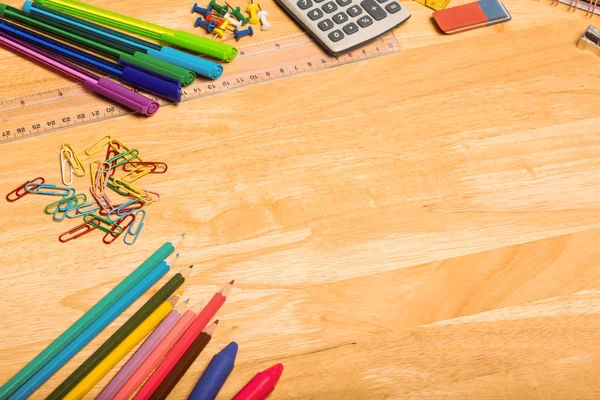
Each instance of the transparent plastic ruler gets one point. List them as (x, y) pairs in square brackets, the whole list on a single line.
[(67, 106)]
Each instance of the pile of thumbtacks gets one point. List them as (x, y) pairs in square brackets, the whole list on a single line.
[(220, 19)]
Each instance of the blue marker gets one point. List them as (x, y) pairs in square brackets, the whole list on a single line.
[(55, 18), (133, 75), (215, 375)]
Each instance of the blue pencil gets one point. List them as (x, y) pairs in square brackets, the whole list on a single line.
[(93, 330), (215, 375)]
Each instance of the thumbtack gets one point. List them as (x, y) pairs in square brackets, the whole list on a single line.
[(240, 34), (237, 13), (253, 9), (218, 8), (209, 26), (263, 19), (218, 32), (203, 11)]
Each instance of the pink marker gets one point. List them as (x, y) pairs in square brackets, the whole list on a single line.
[(102, 86)]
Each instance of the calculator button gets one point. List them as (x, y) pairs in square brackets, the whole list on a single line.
[(350, 28), (329, 7), (365, 21), (325, 25), (373, 9), (315, 14), (393, 7), (319, 1), (304, 4), (340, 18), (354, 11), (343, 3), (381, 1), (336, 35)]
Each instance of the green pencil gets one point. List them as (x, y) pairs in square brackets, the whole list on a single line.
[(87, 319), (162, 295)]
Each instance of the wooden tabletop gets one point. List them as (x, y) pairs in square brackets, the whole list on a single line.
[(423, 225)]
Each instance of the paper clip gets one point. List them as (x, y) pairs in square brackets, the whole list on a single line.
[(135, 233), (85, 228), (114, 187), (49, 210), (133, 154), (134, 191), (82, 210), (102, 200), (157, 167), (94, 148), (96, 221), (36, 188), (20, 191), (123, 209), (102, 175), (78, 168), (121, 223), (136, 174), (150, 193), (63, 173)]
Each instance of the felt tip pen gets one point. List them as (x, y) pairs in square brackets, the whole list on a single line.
[(200, 66), (215, 375), (129, 55), (102, 86), (182, 39), (261, 385), (145, 80)]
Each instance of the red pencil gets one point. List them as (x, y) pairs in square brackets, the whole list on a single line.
[(261, 385), (184, 343)]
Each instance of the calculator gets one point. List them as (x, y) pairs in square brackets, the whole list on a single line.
[(342, 25)]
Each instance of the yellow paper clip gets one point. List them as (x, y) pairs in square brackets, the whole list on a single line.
[(71, 157), (118, 146), (136, 173), (134, 191), (94, 148)]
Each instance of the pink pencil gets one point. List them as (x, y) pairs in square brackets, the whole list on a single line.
[(110, 391), (102, 86), (157, 354)]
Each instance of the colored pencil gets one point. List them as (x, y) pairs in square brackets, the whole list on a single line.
[(182, 39), (113, 358), (117, 382), (163, 294), (180, 348), (86, 320), (184, 363), (158, 354), (214, 376), (261, 385)]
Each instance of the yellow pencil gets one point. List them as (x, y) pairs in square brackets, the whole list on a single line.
[(113, 358)]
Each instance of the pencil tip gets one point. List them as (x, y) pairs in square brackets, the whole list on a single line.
[(231, 283), (186, 271), (183, 235), (216, 321), (171, 259)]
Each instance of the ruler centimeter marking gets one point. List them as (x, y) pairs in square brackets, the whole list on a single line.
[(248, 70)]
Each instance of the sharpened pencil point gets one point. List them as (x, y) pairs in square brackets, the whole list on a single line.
[(171, 259), (196, 308), (232, 281), (175, 242), (210, 330), (186, 271)]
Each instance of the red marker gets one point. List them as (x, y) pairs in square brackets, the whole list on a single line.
[(261, 385)]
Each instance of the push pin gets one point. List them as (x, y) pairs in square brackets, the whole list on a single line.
[(228, 17), (218, 32), (253, 9), (203, 11), (218, 9), (237, 13), (263, 19), (209, 26), (240, 34)]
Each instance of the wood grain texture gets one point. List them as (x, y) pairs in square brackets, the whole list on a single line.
[(419, 226)]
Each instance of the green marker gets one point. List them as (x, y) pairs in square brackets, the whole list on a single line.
[(141, 59), (182, 39), (87, 319)]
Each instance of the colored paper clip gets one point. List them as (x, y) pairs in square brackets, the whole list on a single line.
[(135, 233), (114, 187), (97, 221), (133, 154), (20, 191), (123, 209), (153, 196), (136, 174), (102, 200), (157, 167), (117, 145), (134, 191), (78, 231), (122, 223), (65, 201), (82, 210), (63, 173), (73, 159), (102, 175), (94, 148), (36, 188)]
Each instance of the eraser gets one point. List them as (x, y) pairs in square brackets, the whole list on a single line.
[(471, 16)]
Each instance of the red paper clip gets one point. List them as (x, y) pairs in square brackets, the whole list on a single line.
[(111, 236), (20, 191), (85, 228), (157, 167)]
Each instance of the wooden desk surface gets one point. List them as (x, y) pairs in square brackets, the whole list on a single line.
[(419, 226)]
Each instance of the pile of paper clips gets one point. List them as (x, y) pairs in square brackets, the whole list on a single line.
[(102, 213)]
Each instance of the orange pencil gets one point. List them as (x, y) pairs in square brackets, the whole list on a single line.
[(184, 343)]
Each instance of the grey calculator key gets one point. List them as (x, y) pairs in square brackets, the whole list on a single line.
[(365, 21), (381, 1), (329, 7), (336, 35), (343, 3), (393, 7), (319, 1), (350, 28), (373, 9), (354, 11), (315, 14), (325, 25), (304, 4), (340, 18)]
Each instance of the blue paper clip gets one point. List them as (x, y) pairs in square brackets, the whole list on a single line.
[(120, 208), (81, 210), (61, 213), (130, 230), (35, 188)]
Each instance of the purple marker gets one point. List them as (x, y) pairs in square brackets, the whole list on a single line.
[(102, 86), (115, 385)]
